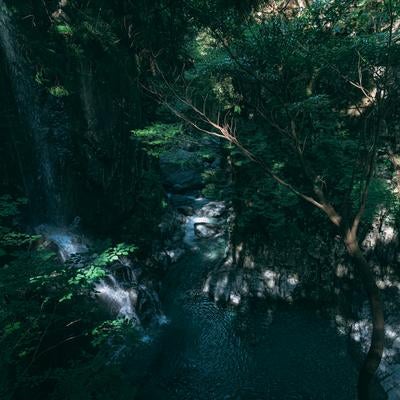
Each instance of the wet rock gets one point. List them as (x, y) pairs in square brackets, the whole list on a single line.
[(180, 200), (181, 171), (162, 260), (213, 209), (186, 210), (204, 230), (170, 224), (183, 181), (175, 254)]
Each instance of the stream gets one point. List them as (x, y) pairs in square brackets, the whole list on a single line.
[(253, 351), (187, 347)]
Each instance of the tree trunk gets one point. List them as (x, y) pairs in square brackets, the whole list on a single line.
[(374, 356)]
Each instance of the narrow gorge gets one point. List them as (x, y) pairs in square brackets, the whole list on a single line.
[(199, 199)]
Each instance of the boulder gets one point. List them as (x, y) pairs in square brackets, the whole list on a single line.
[(183, 181), (213, 209), (181, 171), (186, 210), (204, 230)]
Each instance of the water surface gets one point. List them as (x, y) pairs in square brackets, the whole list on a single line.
[(251, 352)]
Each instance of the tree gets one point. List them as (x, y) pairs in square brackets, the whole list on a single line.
[(318, 83)]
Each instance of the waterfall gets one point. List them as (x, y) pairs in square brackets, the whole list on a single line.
[(67, 242), (38, 120), (127, 300), (119, 300)]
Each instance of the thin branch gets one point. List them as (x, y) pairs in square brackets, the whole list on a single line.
[(225, 132)]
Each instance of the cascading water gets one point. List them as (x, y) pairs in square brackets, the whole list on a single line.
[(47, 129), (125, 296), (119, 300), (68, 244)]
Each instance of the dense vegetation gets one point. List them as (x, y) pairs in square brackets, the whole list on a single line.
[(301, 98)]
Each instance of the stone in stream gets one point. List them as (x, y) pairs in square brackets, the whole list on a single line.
[(204, 230), (213, 209)]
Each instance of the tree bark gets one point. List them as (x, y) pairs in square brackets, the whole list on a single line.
[(374, 355)]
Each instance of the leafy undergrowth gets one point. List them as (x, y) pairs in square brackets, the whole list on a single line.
[(56, 341)]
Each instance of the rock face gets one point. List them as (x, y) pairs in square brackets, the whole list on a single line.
[(70, 151), (181, 171), (279, 272), (113, 163), (322, 273)]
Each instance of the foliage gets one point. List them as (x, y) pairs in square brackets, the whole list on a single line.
[(287, 82), (10, 239), (64, 29), (50, 322), (97, 268), (159, 137), (115, 330), (58, 91)]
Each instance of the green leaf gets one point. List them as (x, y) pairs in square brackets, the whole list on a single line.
[(65, 298)]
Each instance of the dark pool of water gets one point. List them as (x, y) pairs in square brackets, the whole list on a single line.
[(255, 351), (252, 352)]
